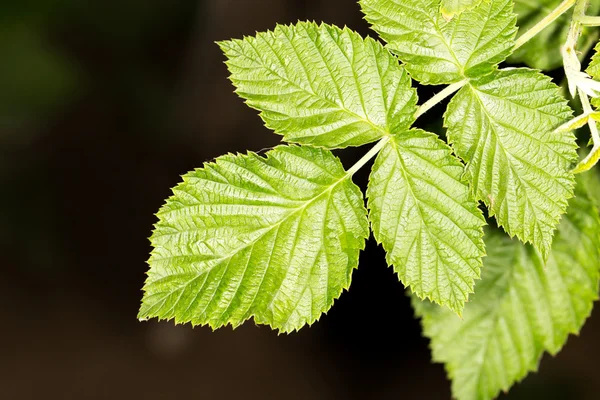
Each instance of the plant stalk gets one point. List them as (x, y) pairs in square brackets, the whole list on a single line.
[(447, 91), (547, 20)]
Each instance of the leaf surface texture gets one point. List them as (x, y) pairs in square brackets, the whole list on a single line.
[(521, 307), (451, 8), (322, 85), (425, 218), (272, 238), (502, 126), (437, 51)]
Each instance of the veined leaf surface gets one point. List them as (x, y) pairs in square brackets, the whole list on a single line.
[(437, 51), (521, 308), (503, 125), (425, 218), (272, 238), (322, 85)]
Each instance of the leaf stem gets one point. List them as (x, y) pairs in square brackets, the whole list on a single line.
[(547, 20), (592, 158), (370, 154), (447, 91), (589, 20), (574, 123)]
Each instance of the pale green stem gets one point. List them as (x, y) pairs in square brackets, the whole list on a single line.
[(573, 124), (589, 20), (448, 90), (587, 109), (570, 46), (370, 154), (592, 158), (548, 19)]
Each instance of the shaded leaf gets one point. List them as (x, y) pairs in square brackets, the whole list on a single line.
[(522, 307)]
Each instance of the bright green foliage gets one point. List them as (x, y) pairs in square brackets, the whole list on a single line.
[(543, 51), (502, 126), (321, 85), (593, 70), (451, 8), (437, 51), (276, 238), (521, 307), (424, 216), (272, 238), (592, 181)]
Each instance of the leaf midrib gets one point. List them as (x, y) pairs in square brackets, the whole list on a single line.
[(312, 92), (265, 230)]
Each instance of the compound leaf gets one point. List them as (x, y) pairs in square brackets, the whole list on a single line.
[(450, 8), (272, 238), (322, 85), (437, 51), (543, 50), (426, 219), (502, 125), (522, 306)]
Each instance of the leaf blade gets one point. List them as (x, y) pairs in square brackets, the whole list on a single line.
[(322, 85), (521, 309), (436, 51), (271, 238), (502, 125), (425, 218)]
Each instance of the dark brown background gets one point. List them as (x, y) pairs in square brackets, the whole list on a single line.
[(103, 104)]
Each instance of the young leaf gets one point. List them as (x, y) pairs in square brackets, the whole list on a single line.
[(521, 307), (502, 125), (543, 50), (322, 85), (424, 216), (437, 51), (272, 238), (451, 8)]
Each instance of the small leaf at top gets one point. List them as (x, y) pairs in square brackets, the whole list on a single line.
[(521, 308), (322, 85), (503, 126), (437, 51), (424, 215), (272, 238)]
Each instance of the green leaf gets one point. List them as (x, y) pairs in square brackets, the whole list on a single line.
[(451, 8), (272, 238), (437, 51), (591, 179), (521, 307), (502, 125), (321, 85), (593, 70), (543, 50), (426, 219)]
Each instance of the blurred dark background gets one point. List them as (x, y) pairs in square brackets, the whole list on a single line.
[(103, 104)]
